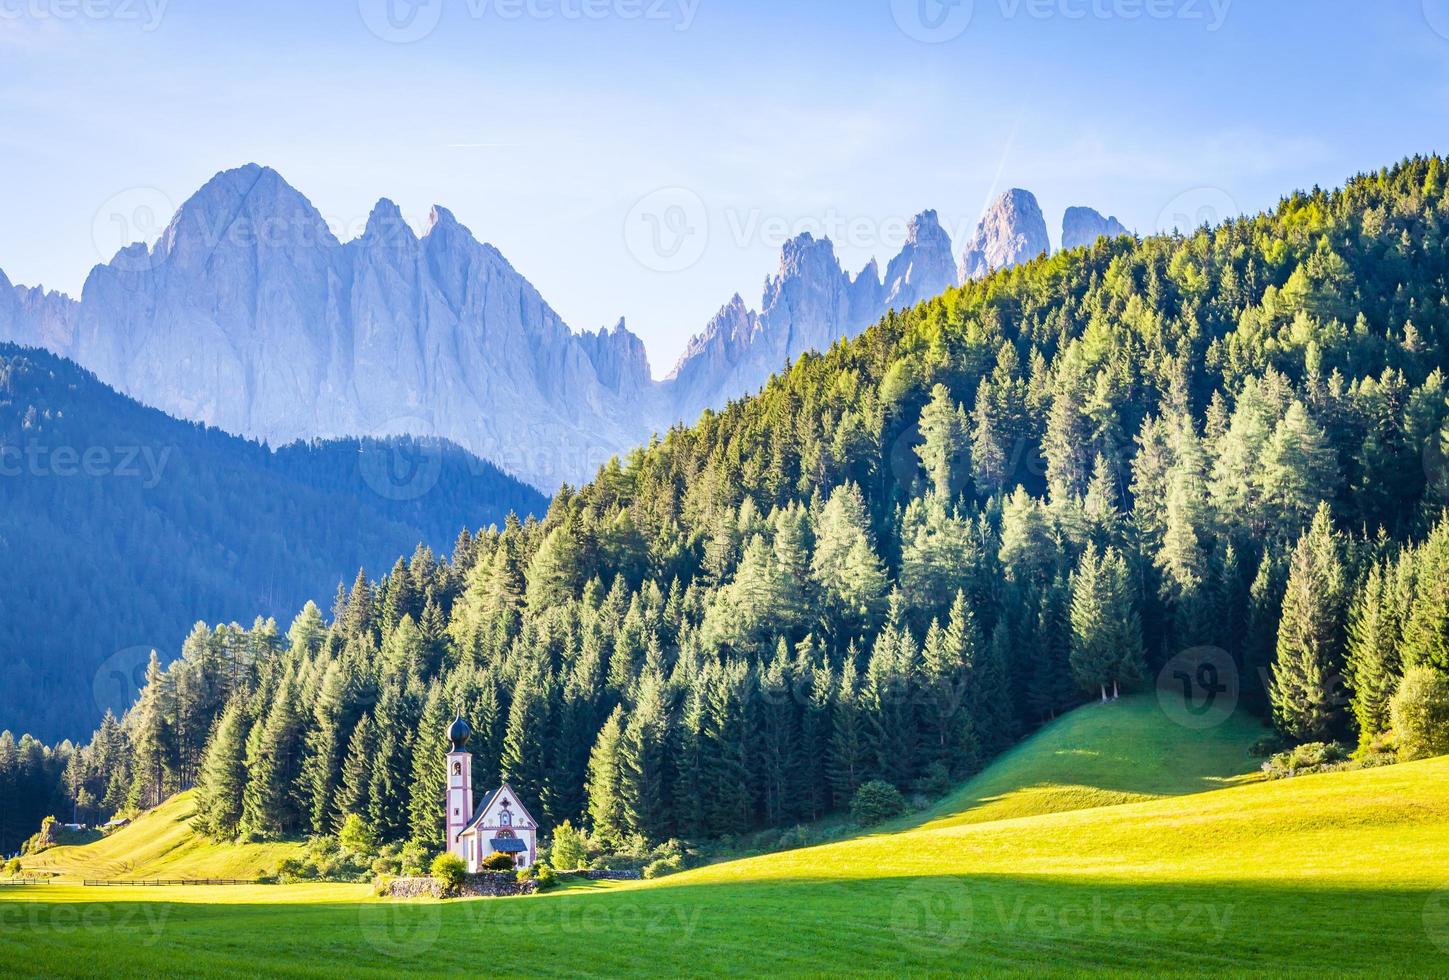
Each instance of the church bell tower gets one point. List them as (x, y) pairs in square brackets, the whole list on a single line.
[(460, 785)]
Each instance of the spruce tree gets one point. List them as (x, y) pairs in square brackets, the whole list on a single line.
[(224, 775), (1373, 654), (606, 804), (1308, 671)]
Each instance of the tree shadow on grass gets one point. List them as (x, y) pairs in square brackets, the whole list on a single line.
[(924, 924)]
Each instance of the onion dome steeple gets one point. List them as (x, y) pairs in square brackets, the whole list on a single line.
[(458, 733)]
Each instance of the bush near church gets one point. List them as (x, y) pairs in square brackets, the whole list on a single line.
[(449, 869), (498, 861)]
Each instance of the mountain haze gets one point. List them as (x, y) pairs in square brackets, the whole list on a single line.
[(250, 315)]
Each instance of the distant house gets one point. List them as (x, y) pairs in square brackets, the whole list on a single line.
[(500, 825)]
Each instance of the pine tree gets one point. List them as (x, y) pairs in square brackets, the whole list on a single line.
[(779, 731), (428, 788), (1426, 626), (1106, 628), (525, 742), (1309, 665), (323, 755), (153, 739), (848, 573), (944, 432), (643, 762), (353, 790), (847, 765), (1373, 654), (269, 803), (606, 805), (224, 775)]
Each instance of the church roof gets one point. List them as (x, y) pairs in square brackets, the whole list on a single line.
[(509, 845), (487, 801)]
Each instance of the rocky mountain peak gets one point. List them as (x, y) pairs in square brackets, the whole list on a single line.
[(386, 225), (1011, 231), (924, 267), (1083, 226)]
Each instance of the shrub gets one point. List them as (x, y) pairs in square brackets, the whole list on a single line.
[(497, 861), (414, 857), (449, 869), (1306, 758), (1420, 714), (381, 884), (357, 837), (876, 801), (570, 848), (290, 870), (543, 874), (12, 867), (934, 783), (796, 837), (663, 866)]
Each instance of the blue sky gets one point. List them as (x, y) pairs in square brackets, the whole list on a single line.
[(644, 158)]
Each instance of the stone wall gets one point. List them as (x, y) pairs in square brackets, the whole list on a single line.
[(490, 884), (497, 883), (414, 888), (599, 874)]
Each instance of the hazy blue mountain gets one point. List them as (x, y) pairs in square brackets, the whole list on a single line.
[(120, 527)]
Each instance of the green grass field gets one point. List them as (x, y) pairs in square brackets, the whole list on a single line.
[(1347, 872)]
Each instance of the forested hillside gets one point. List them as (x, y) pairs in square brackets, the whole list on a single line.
[(121, 527), (900, 556)]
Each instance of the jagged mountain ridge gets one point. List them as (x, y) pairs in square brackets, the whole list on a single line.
[(249, 314)]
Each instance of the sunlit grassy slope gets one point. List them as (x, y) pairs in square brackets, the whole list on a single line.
[(161, 844), (1102, 755), (1322, 874)]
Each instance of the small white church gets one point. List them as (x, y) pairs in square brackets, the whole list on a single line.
[(501, 824)]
